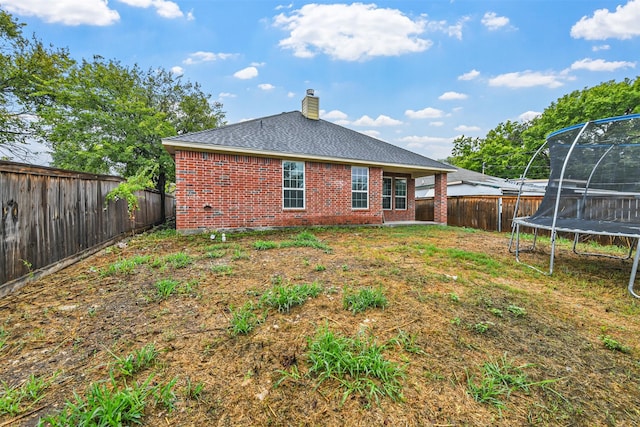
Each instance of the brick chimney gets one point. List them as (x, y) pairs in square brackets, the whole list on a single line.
[(311, 106)]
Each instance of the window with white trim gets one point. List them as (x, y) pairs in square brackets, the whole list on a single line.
[(386, 192), (359, 187), (401, 193), (293, 185)]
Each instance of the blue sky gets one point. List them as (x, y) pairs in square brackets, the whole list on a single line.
[(415, 73)]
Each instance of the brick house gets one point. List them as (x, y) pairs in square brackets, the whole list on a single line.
[(293, 169)]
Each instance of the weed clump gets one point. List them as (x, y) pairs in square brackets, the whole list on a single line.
[(365, 298), (283, 297)]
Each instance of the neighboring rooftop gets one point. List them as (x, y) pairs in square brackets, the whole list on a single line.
[(465, 182), (292, 135)]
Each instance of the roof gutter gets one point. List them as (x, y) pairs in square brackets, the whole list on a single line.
[(416, 171)]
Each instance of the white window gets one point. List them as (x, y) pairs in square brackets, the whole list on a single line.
[(401, 193), (359, 187), (293, 185), (386, 193)]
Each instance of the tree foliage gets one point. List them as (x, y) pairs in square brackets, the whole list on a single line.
[(110, 118), (506, 150), (26, 63)]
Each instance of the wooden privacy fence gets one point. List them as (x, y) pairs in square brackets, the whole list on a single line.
[(50, 217), (493, 213)]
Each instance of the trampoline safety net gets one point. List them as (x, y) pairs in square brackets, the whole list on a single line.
[(594, 184)]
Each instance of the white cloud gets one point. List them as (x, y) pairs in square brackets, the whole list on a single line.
[(246, 73), (425, 113), (621, 24), (494, 22), (452, 96), (434, 147), (436, 124), (451, 30), (290, 94), (282, 6), (470, 75), (601, 47), (266, 86), (527, 116), (601, 65), (226, 95), (190, 16), (468, 129), (381, 120), (164, 8), (329, 29), (527, 79), (422, 140), (178, 71), (200, 56), (334, 115), (67, 12)]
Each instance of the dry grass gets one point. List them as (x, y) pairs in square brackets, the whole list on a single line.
[(457, 304)]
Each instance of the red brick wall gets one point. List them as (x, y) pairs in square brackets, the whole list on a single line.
[(226, 191), (408, 214), (440, 198)]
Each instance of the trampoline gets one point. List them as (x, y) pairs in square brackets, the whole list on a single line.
[(593, 188)]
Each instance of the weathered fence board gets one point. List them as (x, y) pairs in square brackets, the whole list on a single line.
[(48, 215), (493, 213)]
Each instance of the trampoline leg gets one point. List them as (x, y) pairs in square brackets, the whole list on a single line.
[(553, 251), (634, 270)]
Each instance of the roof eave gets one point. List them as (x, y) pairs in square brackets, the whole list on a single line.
[(415, 171)]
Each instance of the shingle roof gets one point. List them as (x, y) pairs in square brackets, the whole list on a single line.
[(464, 175), (292, 134)]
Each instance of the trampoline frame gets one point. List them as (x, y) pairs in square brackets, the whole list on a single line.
[(555, 225)]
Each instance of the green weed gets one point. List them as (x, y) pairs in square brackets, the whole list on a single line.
[(178, 260), (496, 312), (499, 379), (104, 405), (193, 391), (17, 399), (481, 327), (365, 298), (165, 287), (222, 269), (516, 311), (135, 362), (613, 345), (283, 297), (303, 239), (165, 394), (239, 254), (126, 266), (243, 320), (263, 245), (407, 342), (357, 364), (216, 253)]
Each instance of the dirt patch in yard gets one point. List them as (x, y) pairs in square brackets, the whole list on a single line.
[(475, 338)]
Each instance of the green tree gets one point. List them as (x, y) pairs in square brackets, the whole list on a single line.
[(109, 118), (25, 64), (500, 153), (506, 150)]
